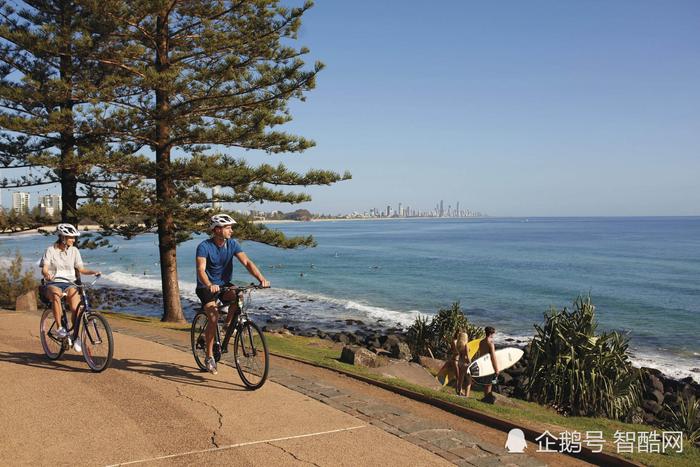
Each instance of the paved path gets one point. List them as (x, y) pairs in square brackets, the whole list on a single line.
[(153, 406)]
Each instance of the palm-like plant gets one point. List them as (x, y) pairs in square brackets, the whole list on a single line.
[(579, 372), (686, 419), (435, 338)]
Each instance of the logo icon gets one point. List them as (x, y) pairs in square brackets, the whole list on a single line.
[(516, 441)]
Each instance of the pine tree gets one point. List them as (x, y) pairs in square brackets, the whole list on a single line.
[(47, 87), (204, 76)]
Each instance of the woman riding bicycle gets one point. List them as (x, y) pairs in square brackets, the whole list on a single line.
[(214, 262), (62, 261)]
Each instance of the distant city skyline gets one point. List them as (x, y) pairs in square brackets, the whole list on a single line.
[(538, 108)]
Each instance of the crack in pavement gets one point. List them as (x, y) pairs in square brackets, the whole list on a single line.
[(221, 416), (293, 455)]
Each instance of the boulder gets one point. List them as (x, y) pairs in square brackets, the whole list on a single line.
[(653, 383), (432, 364), (656, 395), (498, 399), (26, 302), (390, 340), (505, 378), (359, 356), (652, 407), (401, 351)]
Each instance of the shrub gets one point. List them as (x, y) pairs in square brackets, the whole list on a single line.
[(579, 372), (434, 338), (686, 419), (14, 283)]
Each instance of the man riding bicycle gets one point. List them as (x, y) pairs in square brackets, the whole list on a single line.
[(214, 260), (62, 260)]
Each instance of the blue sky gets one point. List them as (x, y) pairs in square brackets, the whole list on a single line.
[(511, 108)]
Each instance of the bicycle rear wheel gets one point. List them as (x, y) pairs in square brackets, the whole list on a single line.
[(53, 347), (198, 339), (98, 344), (251, 355)]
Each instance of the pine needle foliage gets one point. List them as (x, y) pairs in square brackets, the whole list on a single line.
[(195, 81), (47, 85), (579, 372)]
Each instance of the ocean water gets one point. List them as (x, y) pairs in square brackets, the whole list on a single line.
[(643, 275)]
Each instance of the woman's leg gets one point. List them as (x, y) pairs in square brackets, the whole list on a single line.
[(73, 299), (53, 294)]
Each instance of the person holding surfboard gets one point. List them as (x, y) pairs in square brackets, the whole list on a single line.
[(486, 347)]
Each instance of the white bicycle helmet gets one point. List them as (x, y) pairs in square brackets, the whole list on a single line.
[(221, 220), (67, 230)]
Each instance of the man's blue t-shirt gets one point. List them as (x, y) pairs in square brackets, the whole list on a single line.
[(219, 260)]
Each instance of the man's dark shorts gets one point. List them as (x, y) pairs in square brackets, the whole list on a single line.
[(206, 296)]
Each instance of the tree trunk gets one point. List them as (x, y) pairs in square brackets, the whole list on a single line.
[(68, 169), (165, 188)]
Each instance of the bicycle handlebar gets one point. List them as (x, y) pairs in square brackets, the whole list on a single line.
[(65, 279)]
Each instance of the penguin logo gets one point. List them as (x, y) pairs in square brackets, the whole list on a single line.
[(516, 441)]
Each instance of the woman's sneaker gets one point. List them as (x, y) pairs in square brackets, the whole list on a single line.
[(61, 333), (78, 345), (210, 363)]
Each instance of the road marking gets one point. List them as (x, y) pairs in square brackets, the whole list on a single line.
[(249, 443)]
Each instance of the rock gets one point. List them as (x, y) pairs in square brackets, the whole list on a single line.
[(341, 337), (26, 302), (653, 383), (498, 399), (515, 371), (390, 340), (649, 419), (432, 364), (651, 371), (657, 395), (652, 407), (401, 351), (505, 378), (359, 356)]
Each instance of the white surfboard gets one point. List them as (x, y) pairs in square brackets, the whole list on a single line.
[(505, 358)]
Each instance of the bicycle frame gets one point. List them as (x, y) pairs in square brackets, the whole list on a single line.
[(81, 315), (240, 319)]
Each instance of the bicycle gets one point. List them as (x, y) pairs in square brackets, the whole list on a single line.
[(250, 353), (95, 332)]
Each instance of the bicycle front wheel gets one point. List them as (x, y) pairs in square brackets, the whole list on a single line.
[(199, 340), (251, 355), (53, 347), (98, 344)]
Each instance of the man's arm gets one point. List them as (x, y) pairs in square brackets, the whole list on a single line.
[(252, 268), (492, 351), (202, 274)]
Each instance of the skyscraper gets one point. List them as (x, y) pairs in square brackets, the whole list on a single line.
[(215, 203), (20, 202), (50, 205)]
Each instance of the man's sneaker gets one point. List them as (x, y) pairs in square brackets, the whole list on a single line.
[(210, 363), (61, 333), (78, 345)]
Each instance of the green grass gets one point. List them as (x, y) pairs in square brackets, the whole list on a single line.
[(325, 353)]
